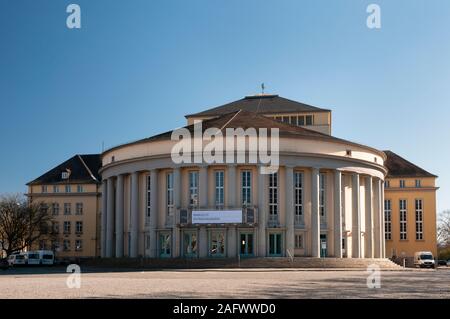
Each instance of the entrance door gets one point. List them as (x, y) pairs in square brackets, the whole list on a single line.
[(246, 244), (323, 246), (164, 245), (217, 244), (190, 244), (275, 245)]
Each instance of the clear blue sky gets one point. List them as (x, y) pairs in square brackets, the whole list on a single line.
[(135, 68)]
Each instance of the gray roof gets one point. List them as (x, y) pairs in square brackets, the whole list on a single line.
[(83, 169), (399, 167), (266, 104)]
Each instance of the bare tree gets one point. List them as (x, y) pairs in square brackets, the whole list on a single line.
[(444, 228), (23, 223)]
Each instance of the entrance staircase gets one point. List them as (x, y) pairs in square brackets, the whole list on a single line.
[(258, 262)]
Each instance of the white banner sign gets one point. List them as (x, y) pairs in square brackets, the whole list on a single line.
[(216, 216)]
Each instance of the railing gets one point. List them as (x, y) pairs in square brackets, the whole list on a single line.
[(290, 255)]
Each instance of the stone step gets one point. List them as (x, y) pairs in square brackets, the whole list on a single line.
[(266, 262)]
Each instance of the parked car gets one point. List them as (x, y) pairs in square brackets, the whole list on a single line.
[(442, 262), (4, 264), (16, 259), (448, 263), (424, 259)]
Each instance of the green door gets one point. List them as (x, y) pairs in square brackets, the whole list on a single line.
[(164, 245), (323, 246), (275, 244), (246, 244), (190, 244)]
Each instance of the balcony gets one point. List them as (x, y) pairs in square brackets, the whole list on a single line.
[(183, 216)]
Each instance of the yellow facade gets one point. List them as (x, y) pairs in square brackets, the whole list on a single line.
[(89, 198), (411, 192)]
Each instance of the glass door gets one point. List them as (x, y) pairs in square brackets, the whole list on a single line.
[(275, 243), (246, 245), (323, 246), (217, 244), (190, 244), (164, 245)]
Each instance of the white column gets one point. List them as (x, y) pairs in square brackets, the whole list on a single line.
[(376, 221), (382, 230), (231, 187), (119, 217), (203, 187), (153, 212), (289, 210), (231, 203), (110, 218), (315, 220), (262, 213), (104, 219), (337, 214), (177, 205), (356, 219), (134, 215), (368, 235)]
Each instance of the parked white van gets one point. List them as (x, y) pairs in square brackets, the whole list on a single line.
[(31, 258), (424, 259), (47, 257), (16, 259)]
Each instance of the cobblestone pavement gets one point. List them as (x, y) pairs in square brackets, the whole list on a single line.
[(226, 283)]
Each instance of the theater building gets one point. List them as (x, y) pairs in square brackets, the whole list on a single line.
[(326, 199)]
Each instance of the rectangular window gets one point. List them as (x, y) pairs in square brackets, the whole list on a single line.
[(190, 244), (149, 206), (193, 189), (301, 120), (169, 197), (67, 228), (387, 184), (55, 189), (285, 119), (418, 183), (66, 245), (387, 219), (246, 178), (79, 227), (55, 209), (402, 183), (294, 120), (55, 228), (309, 120), (79, 209), (403, 213), (419, 219), (79, 188), (67, 208), (322, 195), (68, 188), (78, 245), (273, 198), (298, 197), (44, 188), (219, 177), (299, 241)]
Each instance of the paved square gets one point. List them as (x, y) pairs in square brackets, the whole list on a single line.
[(225, 283)]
